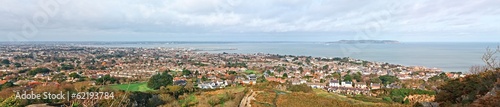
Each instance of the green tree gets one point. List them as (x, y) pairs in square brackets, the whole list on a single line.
[(326, 67), (5, 61), (261, 79), (357, 76), (375, 80), (204, 78), (38, 70), (285, 75), (24, 70), (67, 67), (17, 65), (336, 75), (347, 77), (6, 85), (387, 79), (159, 80), (74, 75), (186, 72)]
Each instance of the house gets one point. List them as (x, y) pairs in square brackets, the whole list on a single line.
[(346, 84), (334, 83), (360, 85), (375, 86), (221, 83), (3, 82), (316, 85), (252, 77), (206, 85), (276, 79)]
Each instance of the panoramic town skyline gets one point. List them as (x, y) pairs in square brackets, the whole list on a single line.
[(236, 20)]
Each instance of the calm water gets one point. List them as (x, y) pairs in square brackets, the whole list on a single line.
[(446, 56)]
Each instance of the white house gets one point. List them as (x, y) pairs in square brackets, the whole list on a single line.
[(316, 85), (360, 85), (346, 84), (334, 83)]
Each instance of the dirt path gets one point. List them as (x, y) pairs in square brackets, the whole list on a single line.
[(247, 100)]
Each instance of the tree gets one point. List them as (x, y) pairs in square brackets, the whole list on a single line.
[(326, 67), (387, 79), (357, 76), (67, 67), (336, 75), (186, 72), (347, 78), (490, 58), (261, 79), (285, 75), (7, 85), (160, 80), (74, 75), (107, 78), (38, 70), (17, 65), (375, 80), (204, 78), (5, 61), (24, 70), (301, 69), (322, 81)]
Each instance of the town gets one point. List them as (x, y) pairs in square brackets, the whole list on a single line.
[(28, 65)]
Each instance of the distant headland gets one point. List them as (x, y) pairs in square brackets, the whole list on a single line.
[(366, 41)]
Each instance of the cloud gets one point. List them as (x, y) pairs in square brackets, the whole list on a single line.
[(320, 17)]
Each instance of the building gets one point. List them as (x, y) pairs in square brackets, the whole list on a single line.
[(316, 85), (375, 86), (346, 84), (334, 83), (360, 85)]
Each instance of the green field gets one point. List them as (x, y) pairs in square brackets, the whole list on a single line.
[(143, 86), (250, 72)]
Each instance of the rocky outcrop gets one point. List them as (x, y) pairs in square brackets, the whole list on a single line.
[(491, 99)]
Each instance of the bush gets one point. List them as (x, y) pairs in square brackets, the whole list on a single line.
[(387, 99)]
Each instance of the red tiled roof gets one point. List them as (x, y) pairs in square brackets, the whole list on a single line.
[(3, 82)]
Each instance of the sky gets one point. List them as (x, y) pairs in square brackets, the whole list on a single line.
[(250, 20)]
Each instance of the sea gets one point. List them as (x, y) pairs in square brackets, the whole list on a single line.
[(447, 56)]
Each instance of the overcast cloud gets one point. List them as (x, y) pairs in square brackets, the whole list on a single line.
[(255, 20)]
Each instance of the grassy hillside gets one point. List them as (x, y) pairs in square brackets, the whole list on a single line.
[(268, 96)]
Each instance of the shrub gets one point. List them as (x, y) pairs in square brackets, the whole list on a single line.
[(387, 99)]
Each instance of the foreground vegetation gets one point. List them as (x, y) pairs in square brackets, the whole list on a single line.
[(276, 95)]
